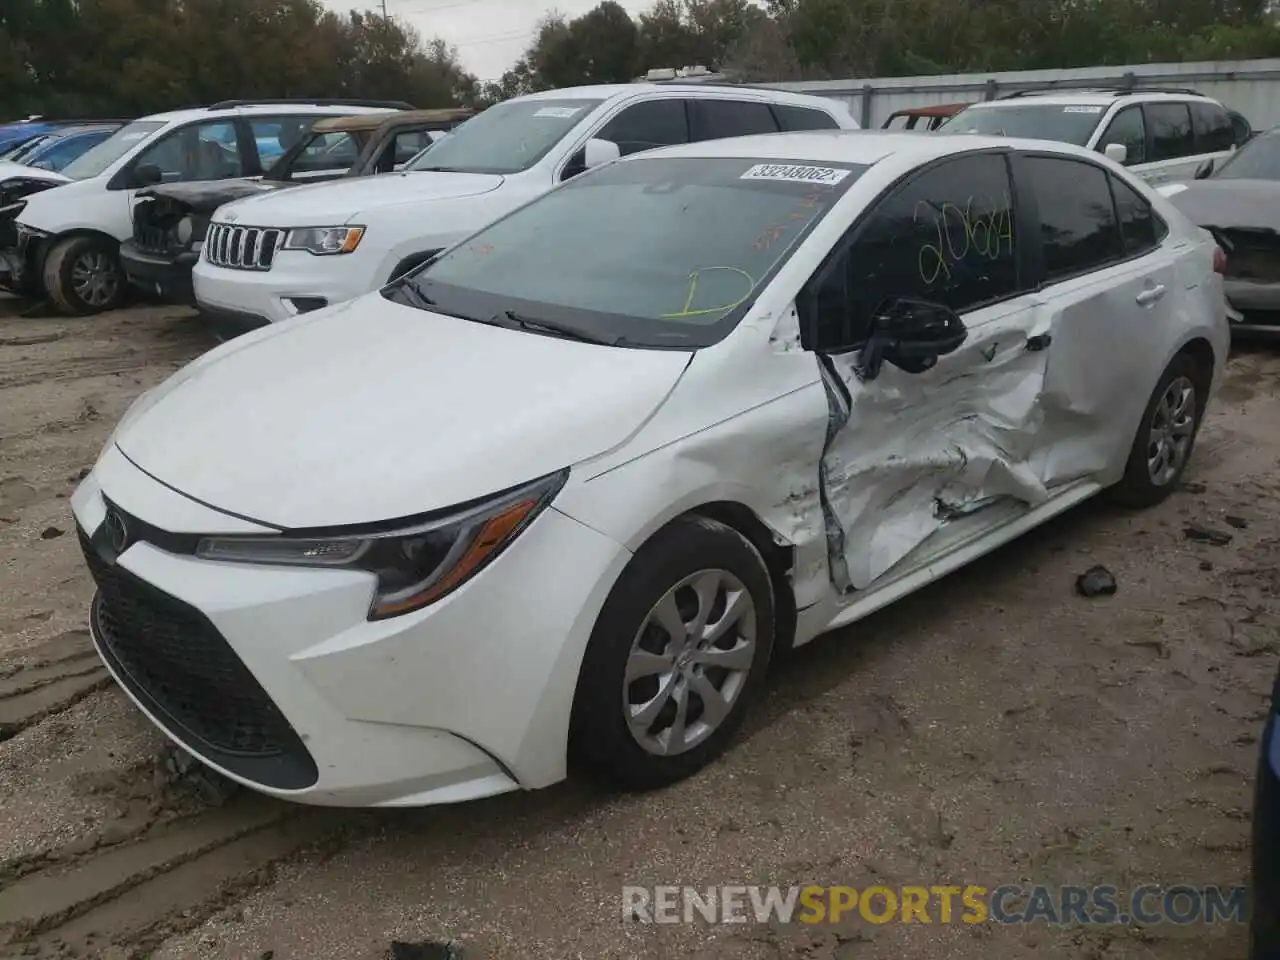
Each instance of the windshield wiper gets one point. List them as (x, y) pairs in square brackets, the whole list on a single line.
[(409, 291), (437, 170), (557, 330)]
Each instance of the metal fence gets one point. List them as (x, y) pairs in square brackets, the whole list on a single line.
[(1250, 86)]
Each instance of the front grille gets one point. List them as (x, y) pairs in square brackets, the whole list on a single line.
[(177, 663), (242, 248), (151, 238)]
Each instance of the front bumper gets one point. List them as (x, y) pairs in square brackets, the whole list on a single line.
[(1253, 308), (283, 685), (167, 277), (296, 283)]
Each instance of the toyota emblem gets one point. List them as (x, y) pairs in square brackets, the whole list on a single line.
[(115, 531)]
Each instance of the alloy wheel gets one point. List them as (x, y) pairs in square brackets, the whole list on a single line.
[(689, 662), (94, 278), (1173, 424)]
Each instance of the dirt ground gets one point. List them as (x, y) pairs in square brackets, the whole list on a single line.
[(996, 728)]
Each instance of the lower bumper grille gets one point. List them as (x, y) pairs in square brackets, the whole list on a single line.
[(177, 663)]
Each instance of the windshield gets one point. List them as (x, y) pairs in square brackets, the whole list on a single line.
[(649, 252), (1259, 159), (96, 159), (1066, 123), (506, 138)]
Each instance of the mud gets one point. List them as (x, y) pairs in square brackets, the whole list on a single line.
[(996, 728)]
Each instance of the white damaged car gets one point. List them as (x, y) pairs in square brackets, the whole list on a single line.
[(564, 492)]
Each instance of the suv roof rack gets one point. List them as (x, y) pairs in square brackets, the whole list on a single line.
[(1118, 91), (310, 102)]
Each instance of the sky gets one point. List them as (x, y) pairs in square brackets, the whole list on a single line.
[(490, 35)]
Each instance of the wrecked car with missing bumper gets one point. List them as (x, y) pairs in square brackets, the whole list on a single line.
[(816, 372), (1238, 202), (170, 221)]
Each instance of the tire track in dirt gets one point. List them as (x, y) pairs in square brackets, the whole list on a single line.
[(59, 673)]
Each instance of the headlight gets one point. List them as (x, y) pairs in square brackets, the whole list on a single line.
[(183, 231), (324, 240), (416, 563)]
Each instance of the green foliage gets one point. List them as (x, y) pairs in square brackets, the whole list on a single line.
[(132, 57), (116, 57)]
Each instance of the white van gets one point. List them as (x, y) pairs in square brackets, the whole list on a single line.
[(271, 257), (67, 238), (1161, 135)]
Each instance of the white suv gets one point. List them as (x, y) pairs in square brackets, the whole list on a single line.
[(67, 237), (1160, 135), (273, 257)]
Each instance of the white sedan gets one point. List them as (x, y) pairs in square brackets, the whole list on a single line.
[(563, 493)]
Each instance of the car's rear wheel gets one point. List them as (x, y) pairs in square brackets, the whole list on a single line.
[(82, 276), (680, 649), (1166, 435)]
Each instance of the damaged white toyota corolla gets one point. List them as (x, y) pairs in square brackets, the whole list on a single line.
[(564, 492)]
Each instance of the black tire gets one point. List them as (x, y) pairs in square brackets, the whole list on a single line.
[(65, 269), (1137, 488), (600, 737)]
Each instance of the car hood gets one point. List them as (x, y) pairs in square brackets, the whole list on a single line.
[(372, 411), (336, 202), (205, 196), (1230, 204), (9, 169)]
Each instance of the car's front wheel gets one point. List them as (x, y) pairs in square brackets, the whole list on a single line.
[(680, 649), (82, 276), (1166, 434)]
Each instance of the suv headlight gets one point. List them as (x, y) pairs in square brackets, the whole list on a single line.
[(323, 241), (416, 563)]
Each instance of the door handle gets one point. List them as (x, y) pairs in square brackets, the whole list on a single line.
[(1151, 294)]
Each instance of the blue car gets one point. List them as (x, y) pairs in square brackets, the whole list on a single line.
[(55, 150), (1264, 934)]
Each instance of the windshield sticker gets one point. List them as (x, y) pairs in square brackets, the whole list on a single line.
[(1081, 108), (795, 173), (558, 113)]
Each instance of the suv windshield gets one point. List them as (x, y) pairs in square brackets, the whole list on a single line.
[(660, 252), (1259, 159), (1064, 122), (506, 138), (96, 159)]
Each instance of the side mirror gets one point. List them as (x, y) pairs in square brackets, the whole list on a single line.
[(147, 175), (598, 152), (1116, 151), (911, 335), (1205, 169)]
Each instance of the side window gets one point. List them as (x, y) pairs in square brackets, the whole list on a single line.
[(649, 124), (1171, 133), (1140, 228), (274, 135), (947, 236), (1127, 127), (200, 151), (803, 118), (732, 118), (1214, 133), (409, 144), (1077, 217), (329, 153)]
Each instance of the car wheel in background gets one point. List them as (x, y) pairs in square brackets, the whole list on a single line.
[(82, 276), (1166, 434), (680, 649)]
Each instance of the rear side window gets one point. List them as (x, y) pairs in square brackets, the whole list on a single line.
[(1214, 133), (803, 118), (1078, 226), (1141, 229), (732, 118), (1126, 127), (1171, 133), (648, 124)]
